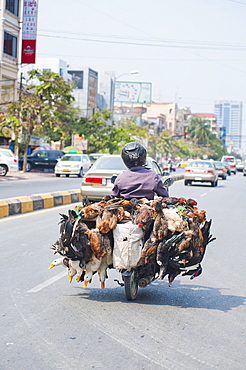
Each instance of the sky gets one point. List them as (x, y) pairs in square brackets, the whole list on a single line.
[(193, 52)]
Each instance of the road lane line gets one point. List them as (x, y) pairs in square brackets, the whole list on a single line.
[(48, 282), (203, 195)]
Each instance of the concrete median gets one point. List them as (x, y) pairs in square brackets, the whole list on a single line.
[(19, 205)]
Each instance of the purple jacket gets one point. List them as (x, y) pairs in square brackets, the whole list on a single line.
[(138, 182)]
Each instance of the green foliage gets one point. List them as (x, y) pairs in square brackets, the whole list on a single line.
[(164, 144), (199, 131), (45, 108), (104, 136)]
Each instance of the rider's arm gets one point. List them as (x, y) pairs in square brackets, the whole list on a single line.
[(160, 190)]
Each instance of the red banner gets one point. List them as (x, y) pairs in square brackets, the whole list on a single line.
[(28, 51), (29, 31)]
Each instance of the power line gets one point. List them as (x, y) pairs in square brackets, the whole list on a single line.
[(135, 43), (146, 58), (185, 43)]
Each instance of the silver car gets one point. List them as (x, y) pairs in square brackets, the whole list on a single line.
[(221, 170), (98, 181), (72, 164), (201, 171)]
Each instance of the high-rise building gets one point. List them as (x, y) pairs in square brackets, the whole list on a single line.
[(229, 121)]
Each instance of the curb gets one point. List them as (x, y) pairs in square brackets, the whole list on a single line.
[(19, 205), (24, 204)]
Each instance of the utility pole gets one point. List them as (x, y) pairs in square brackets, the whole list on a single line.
[(20, 116)]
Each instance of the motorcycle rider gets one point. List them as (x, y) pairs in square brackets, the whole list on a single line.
[(138, 181), (169, 165)]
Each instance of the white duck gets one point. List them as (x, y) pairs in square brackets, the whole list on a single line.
[(99, 265), (72, 267)]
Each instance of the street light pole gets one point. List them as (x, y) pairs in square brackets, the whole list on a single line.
[(114, 82)]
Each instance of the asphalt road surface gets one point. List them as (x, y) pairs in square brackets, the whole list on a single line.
[(36, 182), (47, 323)]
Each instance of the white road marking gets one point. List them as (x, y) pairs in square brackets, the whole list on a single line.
[(48, 282), (203, 195)]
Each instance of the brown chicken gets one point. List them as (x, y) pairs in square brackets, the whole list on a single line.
[(160, 227), (106, 221), (150, 249), (96, 242), (91, 211), (143, 217), (200, 217)]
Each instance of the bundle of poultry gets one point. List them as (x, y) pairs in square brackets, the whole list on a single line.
[(79, 247), (176, 236)]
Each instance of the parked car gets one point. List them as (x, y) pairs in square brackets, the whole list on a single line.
[(41, 160), (201, 171), (8, 161), (231, 161), (98, 181), (72, 164), (221, 170)]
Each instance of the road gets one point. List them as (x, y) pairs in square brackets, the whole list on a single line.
[(36, 182), (30, 183), (47, 323)]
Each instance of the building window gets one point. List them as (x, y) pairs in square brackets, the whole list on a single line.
[(13, 6), (10, 45), (8, 90)]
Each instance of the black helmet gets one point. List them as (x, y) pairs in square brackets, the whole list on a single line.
[(134, 154)]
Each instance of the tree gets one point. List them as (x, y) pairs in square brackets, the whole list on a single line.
[(206, 143), (199, 131), (10, 123), (105, 137), (43, 107), (164, 144)]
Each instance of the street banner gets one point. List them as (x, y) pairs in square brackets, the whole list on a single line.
[(29, 31)]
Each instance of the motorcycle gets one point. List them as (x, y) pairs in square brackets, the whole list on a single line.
[(142, 275)]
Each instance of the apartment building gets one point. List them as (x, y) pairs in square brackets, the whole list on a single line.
[(9, 50)]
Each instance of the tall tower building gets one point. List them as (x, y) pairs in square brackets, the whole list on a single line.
[(229, 121)]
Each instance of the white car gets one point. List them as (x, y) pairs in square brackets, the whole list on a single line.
[(8, 161), (72, 164)]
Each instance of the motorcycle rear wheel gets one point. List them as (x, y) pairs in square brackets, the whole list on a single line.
[(131, 286)]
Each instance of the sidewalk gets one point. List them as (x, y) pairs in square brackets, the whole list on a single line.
[(32, 175)]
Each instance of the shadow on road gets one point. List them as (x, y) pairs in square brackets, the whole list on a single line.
[(159, 293)]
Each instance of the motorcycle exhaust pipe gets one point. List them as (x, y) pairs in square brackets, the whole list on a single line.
[(143, 282)]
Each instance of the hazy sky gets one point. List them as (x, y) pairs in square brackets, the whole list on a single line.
[(193, 51)]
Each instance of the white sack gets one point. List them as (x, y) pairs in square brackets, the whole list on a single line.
[(128, 243)]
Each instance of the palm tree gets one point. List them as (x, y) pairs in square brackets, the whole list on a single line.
[(199, 131)]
